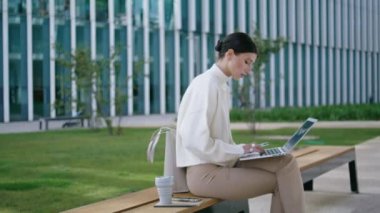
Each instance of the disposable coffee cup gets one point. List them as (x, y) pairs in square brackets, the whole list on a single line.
[(164, 185)]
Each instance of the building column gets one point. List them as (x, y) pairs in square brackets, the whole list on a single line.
[(177, 63), (162, 58), (5, 27), (129, 47), (205, 29), (29, 59), (111, 22), (146, 57), (218, 23), (272, 67), (94, 106), (52, 57), (192, 28), (73, 50)]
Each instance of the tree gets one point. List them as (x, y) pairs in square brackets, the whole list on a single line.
[(266, 47), (91, 101)]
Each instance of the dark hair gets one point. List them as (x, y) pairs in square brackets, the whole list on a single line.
[(238, 41)]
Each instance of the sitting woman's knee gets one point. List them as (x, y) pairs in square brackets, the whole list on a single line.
[(288, 159)]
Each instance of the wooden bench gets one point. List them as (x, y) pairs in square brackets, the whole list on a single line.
[(313, 162)]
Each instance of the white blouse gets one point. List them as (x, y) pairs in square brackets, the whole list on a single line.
[(203, 125)]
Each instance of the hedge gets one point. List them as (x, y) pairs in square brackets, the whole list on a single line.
[(328, 113)]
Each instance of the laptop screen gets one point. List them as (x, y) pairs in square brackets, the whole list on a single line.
[(299, 134)]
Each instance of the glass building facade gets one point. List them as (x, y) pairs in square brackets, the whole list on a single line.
[(331, 56)]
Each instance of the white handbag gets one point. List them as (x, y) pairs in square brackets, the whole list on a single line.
[(170, 166)]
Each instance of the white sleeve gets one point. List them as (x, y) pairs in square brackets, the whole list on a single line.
[(195, 131)]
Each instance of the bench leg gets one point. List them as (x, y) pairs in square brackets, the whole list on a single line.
[(353, 177), (308, 186)]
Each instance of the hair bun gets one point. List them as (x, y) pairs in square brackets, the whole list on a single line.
[(218, 46)]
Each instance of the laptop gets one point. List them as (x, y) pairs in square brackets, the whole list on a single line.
[(287, 147)]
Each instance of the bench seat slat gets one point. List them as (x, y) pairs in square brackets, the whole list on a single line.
[(323, 154), (124, 202)]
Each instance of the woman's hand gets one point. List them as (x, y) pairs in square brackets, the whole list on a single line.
[(248, 148)]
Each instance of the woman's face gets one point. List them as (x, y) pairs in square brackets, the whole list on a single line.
[(240, 65)]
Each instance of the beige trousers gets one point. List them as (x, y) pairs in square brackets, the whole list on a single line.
[(279, 176)]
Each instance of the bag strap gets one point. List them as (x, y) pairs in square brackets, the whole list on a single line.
[(153, 142)]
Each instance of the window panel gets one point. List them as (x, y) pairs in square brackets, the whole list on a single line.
[(199, 15), (119, 8), (185, 15), (40, 8), (121, 69), (102, 51), (17, 7), (14, 35), (169, 74), (211, 14), (153, 14), (154, 44), (63, 81), (184, 62), (82, 10), (168, 7), (138, 73), (62, 8), (39, 90), (18, 98), (17, 91), (101, 11), (38, 39)]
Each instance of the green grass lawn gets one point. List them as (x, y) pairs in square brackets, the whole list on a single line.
[(57, 170)]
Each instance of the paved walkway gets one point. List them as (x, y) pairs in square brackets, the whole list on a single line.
[(169, 120), (332, 190)]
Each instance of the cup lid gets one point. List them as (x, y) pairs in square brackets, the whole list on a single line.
[(164, 180)]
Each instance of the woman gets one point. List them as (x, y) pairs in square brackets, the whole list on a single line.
[(205, 145)]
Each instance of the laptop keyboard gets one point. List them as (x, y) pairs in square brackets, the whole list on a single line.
[(272, 151)]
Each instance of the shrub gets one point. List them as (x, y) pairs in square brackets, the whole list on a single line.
[(328, 113)]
